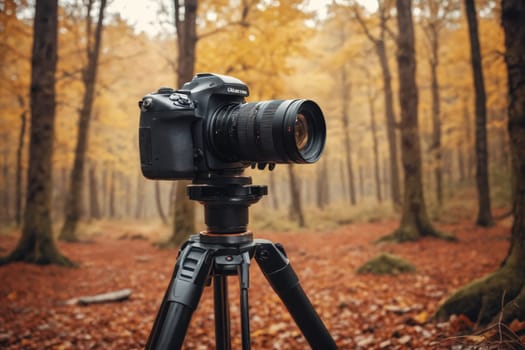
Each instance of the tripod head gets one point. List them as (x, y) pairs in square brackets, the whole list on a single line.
[(226, 200)]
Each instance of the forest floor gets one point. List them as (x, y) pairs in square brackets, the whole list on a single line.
[(361, 311)]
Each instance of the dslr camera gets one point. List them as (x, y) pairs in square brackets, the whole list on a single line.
[(206, 129)]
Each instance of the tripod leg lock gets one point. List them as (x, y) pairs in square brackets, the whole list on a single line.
[(276, 266), (192, 273)]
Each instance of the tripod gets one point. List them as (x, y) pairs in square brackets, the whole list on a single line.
[(225, 249)]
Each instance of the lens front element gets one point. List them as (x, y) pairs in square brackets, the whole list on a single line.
[(301, 132)]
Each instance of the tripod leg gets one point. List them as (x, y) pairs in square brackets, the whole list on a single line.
[(244, 279), (222, 313), (279, 273), (191, 273)]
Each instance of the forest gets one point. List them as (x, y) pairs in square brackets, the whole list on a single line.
[(407, 233)]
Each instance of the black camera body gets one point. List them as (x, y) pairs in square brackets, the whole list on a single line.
[(171, 140), (206, 129)]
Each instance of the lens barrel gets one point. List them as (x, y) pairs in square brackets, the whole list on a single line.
[(275, 131)]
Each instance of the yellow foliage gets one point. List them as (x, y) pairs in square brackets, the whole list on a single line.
[(277, 49)]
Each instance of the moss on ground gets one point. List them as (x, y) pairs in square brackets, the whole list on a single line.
[(386, 264)]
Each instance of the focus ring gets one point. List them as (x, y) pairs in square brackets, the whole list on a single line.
[(245, 134), (266, 139)]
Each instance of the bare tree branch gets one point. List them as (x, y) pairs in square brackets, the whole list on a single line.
[(363, 25)]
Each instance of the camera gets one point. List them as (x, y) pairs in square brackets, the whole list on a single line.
[(207, 129)]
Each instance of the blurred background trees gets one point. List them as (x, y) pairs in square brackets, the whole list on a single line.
[(499, 296), (37, 244), (341, 55), (94, 26)]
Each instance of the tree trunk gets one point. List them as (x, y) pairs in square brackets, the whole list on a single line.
[(89, 77), (19, 156), (112, 189), (482, 299), (158, 202), (322, 185), (186, 28), (139, 204), (36, 244), (273, 188), (94, 203), (482, 178), (468, 138), (105, 191), (501, 150), (414, 220), (375, 142), (361, 172), (129, 194), (446, 167), (319, 200), (344, 190), (345, 100), (390, 125), (296, 209), (60, 185), (386, 177), (5, 216), (461, 162), (436, 118), (172, 197)]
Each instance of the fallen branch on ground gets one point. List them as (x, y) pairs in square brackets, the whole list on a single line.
[(115, 296)]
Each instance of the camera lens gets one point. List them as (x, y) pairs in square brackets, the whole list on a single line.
[(276, 131)]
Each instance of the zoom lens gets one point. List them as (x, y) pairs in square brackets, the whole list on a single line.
[(276, 131)]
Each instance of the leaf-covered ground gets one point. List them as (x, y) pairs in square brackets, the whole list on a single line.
[(361, 311)]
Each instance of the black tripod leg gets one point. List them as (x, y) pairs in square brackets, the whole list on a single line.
[(182, 297), (244, 279), (279, 273), (222, 313)]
